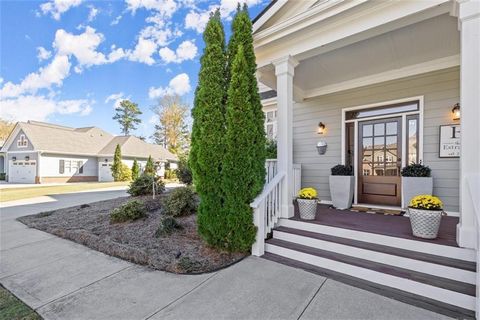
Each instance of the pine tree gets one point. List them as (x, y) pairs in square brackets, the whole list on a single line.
[(127, 116), (149, 167), (242, 35), (208, 132), (135, 170), (117, 163)]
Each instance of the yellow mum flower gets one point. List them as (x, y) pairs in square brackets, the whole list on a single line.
[(307, 193), (426, 202)]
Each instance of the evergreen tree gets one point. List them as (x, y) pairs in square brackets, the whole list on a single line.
[(207, 147), (127, 116), (135, 170), (242, 35), (241, 182), (117, 163), (150, 167)]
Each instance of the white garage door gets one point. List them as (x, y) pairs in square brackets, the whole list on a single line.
[(105, 172), (22, 171)]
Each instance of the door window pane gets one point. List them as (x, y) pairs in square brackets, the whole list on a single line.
[(367, 130), (412, 142), (391, 141), (367, 143), (379, 129), (379, 142), (380, 111), (392, 128)]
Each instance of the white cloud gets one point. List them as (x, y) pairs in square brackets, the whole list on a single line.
[(57, 7), (178, 85), (92, 13), (44, 78), (165, 7), (32, 107), (43, 54), (116, 20), (187, 50), (197, 20), (143, 51), (116, 98)]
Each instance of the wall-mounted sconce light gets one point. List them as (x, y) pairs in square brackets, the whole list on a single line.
[(456, 111), (321, 128), (322, 147), (106, 160), (27, 158), (14, 158)]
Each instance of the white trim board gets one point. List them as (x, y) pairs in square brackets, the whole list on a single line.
[(396, 242)]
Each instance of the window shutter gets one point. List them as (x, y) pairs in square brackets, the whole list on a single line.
[(61, 168), (80, 166)]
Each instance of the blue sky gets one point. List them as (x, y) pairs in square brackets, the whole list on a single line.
[(70, 61)]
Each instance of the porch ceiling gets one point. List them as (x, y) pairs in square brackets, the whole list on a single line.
[(413, 45)]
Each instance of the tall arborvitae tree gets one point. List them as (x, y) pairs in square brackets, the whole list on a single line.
[(242, 35), (241, 182), (117, 163), (149, 167), (207, 146)]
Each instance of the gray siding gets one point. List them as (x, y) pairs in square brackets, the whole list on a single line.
[(14, 147), (440, 90)]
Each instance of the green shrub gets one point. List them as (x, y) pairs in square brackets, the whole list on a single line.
[(132, 210), (2, 176), (124, 173), (150, 167), (183, 172), (167, 226), (416, 170), (271, 149), (181, 202), (135, 170), (170, 174), (143, 185), (342, 170)]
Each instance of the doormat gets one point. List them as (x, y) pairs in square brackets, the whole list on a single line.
[(385, 212)]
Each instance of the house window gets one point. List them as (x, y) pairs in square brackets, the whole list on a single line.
[(382, 111), (61, 166), (70, 166), (271, 124), (412, 139), (22, 142)]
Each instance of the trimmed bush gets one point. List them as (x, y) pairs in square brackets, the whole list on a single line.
[(170, 174), (181, 202), (183, 172), (124, 173), (271, 149), (135, 170), (342, 170), (416, 170), (167, 226), (132, 210), (150, 167), (143, 186)]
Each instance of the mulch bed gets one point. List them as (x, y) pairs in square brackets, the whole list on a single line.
[(180, 252)]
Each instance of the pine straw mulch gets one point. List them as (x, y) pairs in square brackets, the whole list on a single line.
[(183, 251)]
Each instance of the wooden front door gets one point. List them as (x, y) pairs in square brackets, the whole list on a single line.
[(379, 161)]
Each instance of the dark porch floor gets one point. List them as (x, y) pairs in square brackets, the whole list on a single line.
[(394, 226)]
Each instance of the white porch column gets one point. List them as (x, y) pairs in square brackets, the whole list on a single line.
[(284, 70), (469, 21)]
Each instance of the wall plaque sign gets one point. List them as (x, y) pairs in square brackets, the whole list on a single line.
[(449, 141)]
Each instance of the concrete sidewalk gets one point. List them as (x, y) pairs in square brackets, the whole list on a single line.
[(64, 280)]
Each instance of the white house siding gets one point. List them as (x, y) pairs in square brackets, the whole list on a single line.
[(440, 90), (49, 168)]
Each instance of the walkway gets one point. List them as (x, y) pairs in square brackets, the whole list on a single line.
[(64, 280)]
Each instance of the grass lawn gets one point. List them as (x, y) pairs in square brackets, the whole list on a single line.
[(10, 194), (13, 309)]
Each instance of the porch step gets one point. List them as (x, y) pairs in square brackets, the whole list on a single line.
[(463, 254), (437, 277)]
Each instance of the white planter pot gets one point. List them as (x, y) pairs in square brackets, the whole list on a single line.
[(414, 186), (307, 208), (341, 191), (425, 223)]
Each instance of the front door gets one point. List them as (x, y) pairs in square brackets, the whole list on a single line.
[(379, 161)]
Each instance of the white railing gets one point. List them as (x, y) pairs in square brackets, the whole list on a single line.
[(266, 211), (271, 171), (473, 183)]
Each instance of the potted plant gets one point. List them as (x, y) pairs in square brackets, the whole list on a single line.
[(425, 213), (341, 186), (416, 180), (307, 203)]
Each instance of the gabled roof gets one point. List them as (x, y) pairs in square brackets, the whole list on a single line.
[(134, 147), (91, 141)]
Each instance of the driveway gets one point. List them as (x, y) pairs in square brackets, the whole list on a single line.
[(64, 280)]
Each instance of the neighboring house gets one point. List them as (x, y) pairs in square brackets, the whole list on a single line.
[(38, 152), (382, 76)]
